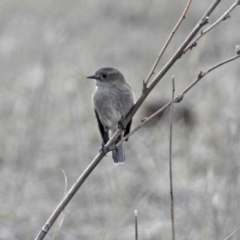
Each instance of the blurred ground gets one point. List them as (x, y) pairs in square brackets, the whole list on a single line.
[(47, 123)]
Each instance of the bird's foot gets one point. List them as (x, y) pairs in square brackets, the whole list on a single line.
[(120, 125), (103, 149)]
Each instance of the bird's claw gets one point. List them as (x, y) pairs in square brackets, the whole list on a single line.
[(104, 150), (120, 125)]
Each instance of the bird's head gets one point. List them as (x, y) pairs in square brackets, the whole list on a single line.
[(108, 75)]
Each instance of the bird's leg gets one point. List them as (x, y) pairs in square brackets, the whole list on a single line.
[(105, 136), (103, 149)]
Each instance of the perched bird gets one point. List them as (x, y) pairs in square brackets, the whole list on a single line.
[(112, 100)]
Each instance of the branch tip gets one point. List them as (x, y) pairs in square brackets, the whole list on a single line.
[(173, 83), (238, 49), (136, 213)]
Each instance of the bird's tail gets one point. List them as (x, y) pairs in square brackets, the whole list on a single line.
[(118, 154)]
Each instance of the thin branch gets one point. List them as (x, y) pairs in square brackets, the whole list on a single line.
[(178, 98), (170, 162), (232, 234), (202, 33), (183, 16)]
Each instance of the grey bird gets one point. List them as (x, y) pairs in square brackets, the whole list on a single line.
[(112, 100)]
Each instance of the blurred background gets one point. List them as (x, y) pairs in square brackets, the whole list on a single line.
[(47, 122)]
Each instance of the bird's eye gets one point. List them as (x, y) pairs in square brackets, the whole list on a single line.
[(104, 75)]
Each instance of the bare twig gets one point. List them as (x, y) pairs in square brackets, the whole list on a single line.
[(170, 162), (202, 33), (232, 234), (178, 98), (136, 225), (167, 43)]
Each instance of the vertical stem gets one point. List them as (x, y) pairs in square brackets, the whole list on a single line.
[(170, 162), (136, 225)]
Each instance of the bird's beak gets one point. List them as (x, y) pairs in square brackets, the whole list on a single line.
[(92, 77)]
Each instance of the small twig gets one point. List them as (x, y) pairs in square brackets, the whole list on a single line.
[(178, 98), (170, 162), (202, 33), (232, 234), (136, 225), (183, 16)]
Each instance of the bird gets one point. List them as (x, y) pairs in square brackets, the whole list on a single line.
[(112, 99)]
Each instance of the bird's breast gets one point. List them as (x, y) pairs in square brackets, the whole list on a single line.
[(111, 105)]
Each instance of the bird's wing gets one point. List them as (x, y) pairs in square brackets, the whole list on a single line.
[(104, 133), (127, 129)]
